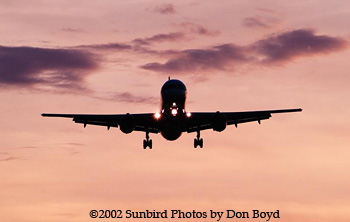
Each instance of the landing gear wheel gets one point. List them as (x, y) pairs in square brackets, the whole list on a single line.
[(144, 144), (147, 142), (195, 143), (150, 144), (198, 141)]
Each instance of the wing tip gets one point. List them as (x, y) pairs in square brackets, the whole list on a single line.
[(46, 114)]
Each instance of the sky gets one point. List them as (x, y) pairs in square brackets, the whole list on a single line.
[(113, 57)]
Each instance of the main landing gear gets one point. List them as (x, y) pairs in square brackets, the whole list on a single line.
[(147, 142), (198, 141)]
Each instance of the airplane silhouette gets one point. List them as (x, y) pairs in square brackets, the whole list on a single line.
[(173, 119)]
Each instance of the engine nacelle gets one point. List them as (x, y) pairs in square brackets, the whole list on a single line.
[(219, 122), (127, 123)]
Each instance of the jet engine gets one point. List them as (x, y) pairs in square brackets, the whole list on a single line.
[(219, 122), (127, 123)]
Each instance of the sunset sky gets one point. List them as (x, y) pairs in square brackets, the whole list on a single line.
[(113, 57)]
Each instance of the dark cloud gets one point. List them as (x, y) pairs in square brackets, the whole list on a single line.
[(289, 45), (108, 46), (173, 36), (56, 70), (165, 9), (275, 49), (44, 67), (64, 70), (218, 57)]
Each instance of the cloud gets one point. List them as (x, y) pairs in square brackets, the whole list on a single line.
[(187, 28), (107, 46), (56, 70), (127, 97), (165, 9), (64, 70), (198, 29), (10, 158), (142, 45), (289, 45), (260, 22), (266, 18), (219, 57), (173, 36), (138, 45), (5, 156), (72, 30), (44, 67), (130, 98), (274, 49)]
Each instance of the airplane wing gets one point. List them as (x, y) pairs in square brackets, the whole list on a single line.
[(142, 122), (204, 120), (147, 123)]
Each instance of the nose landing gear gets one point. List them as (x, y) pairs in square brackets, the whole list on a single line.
[(198, 141), (147, 142)]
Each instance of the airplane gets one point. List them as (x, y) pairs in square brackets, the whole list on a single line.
[(173, 119)]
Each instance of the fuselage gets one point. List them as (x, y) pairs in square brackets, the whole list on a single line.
[(172, 117)]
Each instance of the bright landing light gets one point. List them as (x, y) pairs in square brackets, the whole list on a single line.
[(157, 115), (174, 112), (188, 115)]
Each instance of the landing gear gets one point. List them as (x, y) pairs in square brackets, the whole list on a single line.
[(147, 142), (198, 141)]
